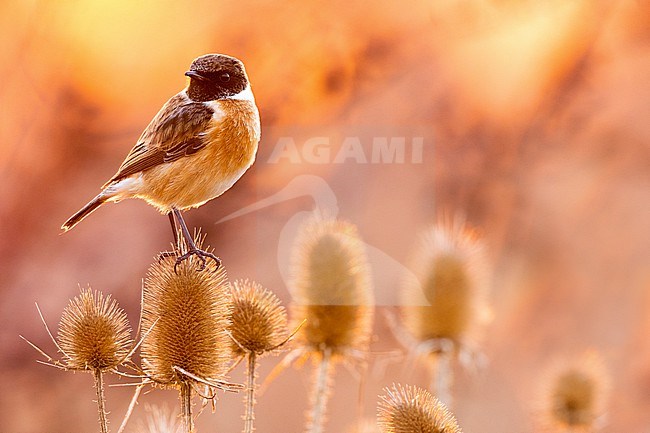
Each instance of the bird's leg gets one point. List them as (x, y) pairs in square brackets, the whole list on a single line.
[(177, 246), (192, 249), (172, 221)]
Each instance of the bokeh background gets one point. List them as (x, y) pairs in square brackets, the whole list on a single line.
[(535, 119)]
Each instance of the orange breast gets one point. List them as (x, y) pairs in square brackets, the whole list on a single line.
[(192, 180)]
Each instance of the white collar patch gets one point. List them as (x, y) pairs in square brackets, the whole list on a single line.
[(244, 95)]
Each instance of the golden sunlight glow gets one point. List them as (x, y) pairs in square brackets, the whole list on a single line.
[(129, 48), (508, 67)]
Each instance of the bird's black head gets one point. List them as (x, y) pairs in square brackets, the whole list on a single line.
[(216, 76)]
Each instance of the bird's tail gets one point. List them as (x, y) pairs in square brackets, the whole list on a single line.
[(85, 211)]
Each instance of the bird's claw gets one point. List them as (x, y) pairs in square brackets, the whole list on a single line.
[(202, 255), (165, 254)]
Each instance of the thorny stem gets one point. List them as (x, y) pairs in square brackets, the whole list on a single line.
[(249, 417), (99, 387), (186, 407), (321, 393)]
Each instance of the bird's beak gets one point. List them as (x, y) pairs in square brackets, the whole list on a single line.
[(196, 75)]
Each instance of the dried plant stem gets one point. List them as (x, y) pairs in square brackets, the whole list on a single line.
[(249, 417), (101, 409), (361, 420), (129, 411), (441, 377), (321, 392), (186, 407)]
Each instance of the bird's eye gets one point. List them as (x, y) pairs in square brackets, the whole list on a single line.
[(224, 77)]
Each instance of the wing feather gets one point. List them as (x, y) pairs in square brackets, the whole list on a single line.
[(176, 131)]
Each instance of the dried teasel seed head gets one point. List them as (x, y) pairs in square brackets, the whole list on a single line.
[(258, 322), (446, 299), (573, 399), (94, 332), (331, 287), (185, 312), (575, 394), (408, 409)]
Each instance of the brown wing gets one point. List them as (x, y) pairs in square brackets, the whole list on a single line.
[(176, 131)]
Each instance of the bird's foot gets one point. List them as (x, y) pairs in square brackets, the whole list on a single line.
[(165, 254), (202, 255)]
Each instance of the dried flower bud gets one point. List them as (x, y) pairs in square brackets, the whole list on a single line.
[(258, 320), (185, 313), (446, 299), (574, 397), (407, 409), (331, 287), (94, 332)]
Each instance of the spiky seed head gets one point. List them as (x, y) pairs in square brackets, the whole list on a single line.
[(258, 322), (444, 297), (185, 312), (331, 287), (575, 394), (94, 332), (409, 409)]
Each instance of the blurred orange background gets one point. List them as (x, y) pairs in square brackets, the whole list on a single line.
[(535, 119)]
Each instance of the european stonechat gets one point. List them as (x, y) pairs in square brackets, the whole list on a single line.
[(198, 145)]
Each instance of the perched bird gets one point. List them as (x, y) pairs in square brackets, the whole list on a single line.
[(198, 145)]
